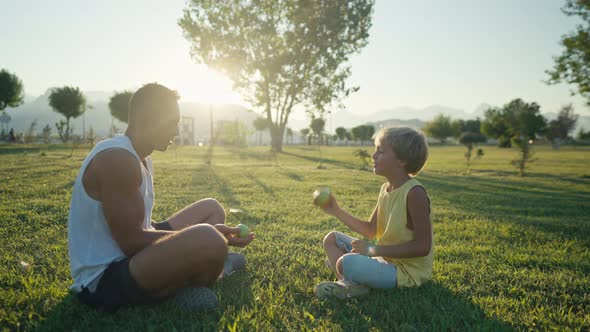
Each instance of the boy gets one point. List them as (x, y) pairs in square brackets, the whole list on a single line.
[(400, 226)]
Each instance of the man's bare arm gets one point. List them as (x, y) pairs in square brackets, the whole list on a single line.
[(119, 178)]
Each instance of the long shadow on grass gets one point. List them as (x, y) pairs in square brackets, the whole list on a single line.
[(549, 209), (256, 180), (430, 307), (216, 183), (323, 160)]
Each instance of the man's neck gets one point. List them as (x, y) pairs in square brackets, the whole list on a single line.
[(142, 149)]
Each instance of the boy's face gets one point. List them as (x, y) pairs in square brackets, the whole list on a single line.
[(385, 162)]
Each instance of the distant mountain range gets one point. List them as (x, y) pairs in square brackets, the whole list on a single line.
[(98, 117)]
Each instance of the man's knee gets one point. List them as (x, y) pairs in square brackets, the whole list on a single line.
[(206, 240), (217, 211)]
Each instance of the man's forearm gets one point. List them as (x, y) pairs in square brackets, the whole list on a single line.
[(142, 240)]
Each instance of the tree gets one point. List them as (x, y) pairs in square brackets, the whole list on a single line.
[(305, 132), (29, 135), (260, 124), (289, 135), (582, 135), (71, 103), (46, 134), (12, 93), (364, 156), (341, 133), (465, 126), (559, 129), (440, 128), (573, 65), (519, 122), (280, 53), (470, 140), (119, 105), (317, 127), (363, 133)]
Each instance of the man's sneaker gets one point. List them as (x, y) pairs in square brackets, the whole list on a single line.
[(341, 289), (196, 298), (234, 262)]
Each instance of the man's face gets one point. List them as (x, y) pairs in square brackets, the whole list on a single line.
[(167, 128)]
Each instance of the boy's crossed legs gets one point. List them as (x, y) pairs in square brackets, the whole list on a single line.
[(356, 273)]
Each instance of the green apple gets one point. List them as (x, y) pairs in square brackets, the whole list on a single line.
[(321, 197), (244, 230)]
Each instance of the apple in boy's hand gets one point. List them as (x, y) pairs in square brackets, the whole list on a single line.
[(321, 197), (244, 230)]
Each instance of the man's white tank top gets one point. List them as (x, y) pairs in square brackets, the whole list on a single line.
[(90, 244)]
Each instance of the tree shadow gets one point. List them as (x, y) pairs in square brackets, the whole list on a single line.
[(70, 314), (215, 182), (257, 181), (333, 162), (429, 307), (549, 209)]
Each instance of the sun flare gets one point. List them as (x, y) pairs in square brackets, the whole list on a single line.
[(199, 84)]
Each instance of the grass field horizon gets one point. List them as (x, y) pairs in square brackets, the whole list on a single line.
[(511, 252)]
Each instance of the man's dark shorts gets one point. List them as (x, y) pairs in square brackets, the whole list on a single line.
[(117, 288)]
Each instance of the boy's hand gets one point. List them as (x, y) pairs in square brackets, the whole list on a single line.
[(332, 206), (231, 234), (363, 247)]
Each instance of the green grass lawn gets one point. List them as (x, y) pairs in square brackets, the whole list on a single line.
[(511, 252)]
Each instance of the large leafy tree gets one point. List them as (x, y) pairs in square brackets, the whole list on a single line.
[(119, 105), (71, 103), (280, 54), (12, 93), (573, 65)]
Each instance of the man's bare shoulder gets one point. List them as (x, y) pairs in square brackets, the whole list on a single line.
[(117, 167)]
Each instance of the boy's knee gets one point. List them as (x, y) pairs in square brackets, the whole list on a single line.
[(346, 259), (330, 238)]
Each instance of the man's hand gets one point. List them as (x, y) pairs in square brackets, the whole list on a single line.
[(363, 247), (231, 234)]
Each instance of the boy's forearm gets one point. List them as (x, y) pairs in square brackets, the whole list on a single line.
[(406, 250), (360, 226)]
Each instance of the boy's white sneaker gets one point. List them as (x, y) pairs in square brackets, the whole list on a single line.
[(341, 289)]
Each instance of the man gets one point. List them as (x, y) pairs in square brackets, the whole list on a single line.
[(118, 254)]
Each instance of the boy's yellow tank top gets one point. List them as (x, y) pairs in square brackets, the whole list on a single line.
[(392, 219)]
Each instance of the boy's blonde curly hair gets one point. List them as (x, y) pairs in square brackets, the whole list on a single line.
[(408, 144)]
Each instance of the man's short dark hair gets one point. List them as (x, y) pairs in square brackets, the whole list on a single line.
[(150, 101)]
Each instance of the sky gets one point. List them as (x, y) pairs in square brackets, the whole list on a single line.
[(454, 53)]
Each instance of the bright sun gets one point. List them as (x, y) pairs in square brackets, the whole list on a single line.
[(197, 83)]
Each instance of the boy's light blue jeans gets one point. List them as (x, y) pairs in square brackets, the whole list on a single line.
[(374, 272)]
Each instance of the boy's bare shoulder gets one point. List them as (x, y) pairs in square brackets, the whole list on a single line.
[(418, 193)]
